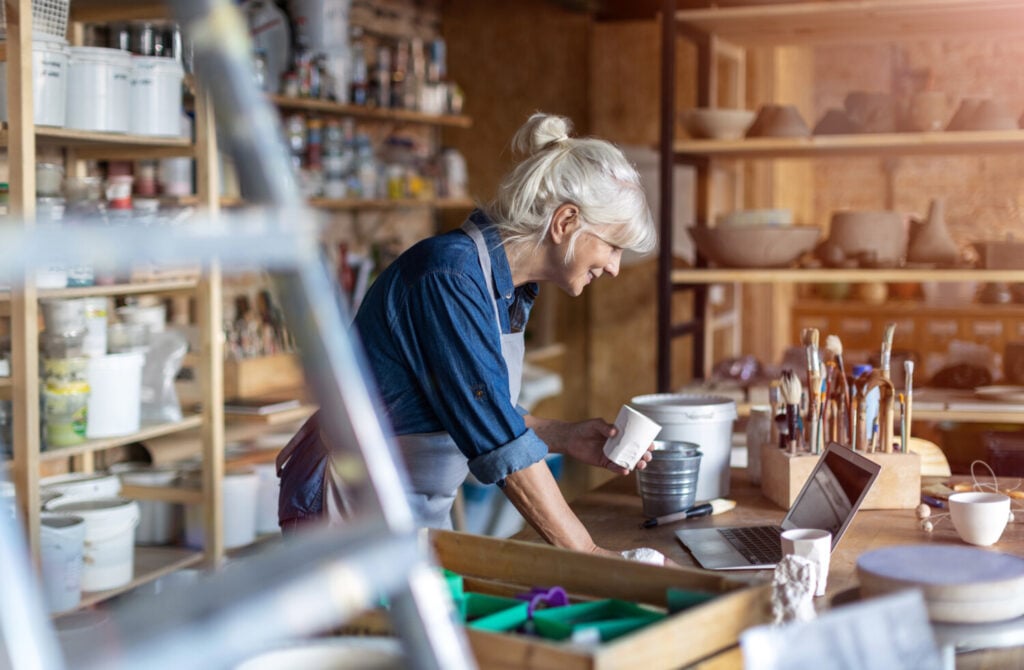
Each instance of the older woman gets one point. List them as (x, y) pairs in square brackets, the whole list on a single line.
[(443, 330)]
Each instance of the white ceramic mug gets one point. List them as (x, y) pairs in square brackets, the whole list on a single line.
[(636, 433), (814, 545), (979, 517)]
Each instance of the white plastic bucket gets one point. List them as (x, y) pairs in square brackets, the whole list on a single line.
[(158, 519), (81, 486), (49, 80), (702, 419), (109, 550), (156, 96), (99, 89), (115, 383), (267, 497), (62, 540), (238, 510), (152, 316)]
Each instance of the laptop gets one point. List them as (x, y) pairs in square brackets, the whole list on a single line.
[(828, 501)]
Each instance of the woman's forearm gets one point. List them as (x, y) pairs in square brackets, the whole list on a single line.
[(535, 493)]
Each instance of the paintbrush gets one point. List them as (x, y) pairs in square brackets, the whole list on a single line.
[(908, 404), (773, 401), (791, 390), (710, 508), (810, 339), (890, 330), (844, 417)]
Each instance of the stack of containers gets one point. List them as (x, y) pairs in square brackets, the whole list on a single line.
[(159, 520), (65, 387)]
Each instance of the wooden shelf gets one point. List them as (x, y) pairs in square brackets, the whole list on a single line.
[(117, 289), (273, 418), (88, 144), (807, 276), (328, 108), (151, 563), (853, 20), (916, 307), (357, 204), (147, 432), (104, 11), (876, 145)]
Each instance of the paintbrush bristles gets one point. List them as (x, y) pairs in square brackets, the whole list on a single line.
[(834, 346), (790, 388)]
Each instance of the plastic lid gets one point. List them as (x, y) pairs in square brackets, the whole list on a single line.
[(96, 505), (101, 54)]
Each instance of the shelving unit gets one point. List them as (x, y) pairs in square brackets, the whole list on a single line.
[(21, 137), (729, 32)]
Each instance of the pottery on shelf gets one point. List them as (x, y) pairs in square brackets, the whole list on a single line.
[(874, 112), (836, 122), (930, 241), (876, 237), (778, 121), (716, 123), (929, 110), (982, 114)]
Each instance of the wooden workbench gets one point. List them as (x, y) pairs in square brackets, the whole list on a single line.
[(613, 513)]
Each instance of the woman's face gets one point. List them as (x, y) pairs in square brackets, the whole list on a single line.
[(593, 257)]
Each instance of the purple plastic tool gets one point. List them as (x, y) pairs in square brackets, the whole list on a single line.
[(540, 596)]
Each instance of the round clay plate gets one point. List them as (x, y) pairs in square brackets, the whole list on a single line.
[(960, 584)]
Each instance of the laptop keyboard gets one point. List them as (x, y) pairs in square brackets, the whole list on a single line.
[(758, 544)]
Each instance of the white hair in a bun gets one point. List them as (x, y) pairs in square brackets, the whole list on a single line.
[(587, 172), (540, 132)]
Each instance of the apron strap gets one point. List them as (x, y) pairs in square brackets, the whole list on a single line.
[(484, 255)]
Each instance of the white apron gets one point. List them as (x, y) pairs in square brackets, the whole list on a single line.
[(435, 465)]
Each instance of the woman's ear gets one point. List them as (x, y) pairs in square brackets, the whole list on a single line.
[(564, 222)]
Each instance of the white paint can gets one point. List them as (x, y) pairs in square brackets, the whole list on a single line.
[(109, 548), (115, 394), (99, 89), (156, 96), (238, 512), (62, 540), (49, 80)]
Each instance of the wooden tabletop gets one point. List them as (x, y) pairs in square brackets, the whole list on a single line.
[(613, 513)]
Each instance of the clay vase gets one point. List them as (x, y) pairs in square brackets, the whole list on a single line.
[(930, 241)]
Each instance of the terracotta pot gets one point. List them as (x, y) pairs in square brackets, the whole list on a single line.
[(778, 121), (929, 110)]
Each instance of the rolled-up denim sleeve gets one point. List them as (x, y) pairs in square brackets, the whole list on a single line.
[(493, 466)]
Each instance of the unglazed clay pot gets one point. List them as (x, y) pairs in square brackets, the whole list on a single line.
[(778, 121), (930, 241), (929, 110), (877, 234)]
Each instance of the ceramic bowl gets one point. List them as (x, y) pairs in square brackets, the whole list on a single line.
[(880, 235), (716, 124), (756, 217), (754, 246), (778, 121), (979, 517)]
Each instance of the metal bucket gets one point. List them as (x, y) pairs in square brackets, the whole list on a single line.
[(669, 482), (702, 419)]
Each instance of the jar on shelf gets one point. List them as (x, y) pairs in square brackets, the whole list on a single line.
[(64, 414)]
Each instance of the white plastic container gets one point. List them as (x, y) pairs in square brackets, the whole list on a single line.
[(109, 550), (702, 419), (49, 80), (152, 316), (81, 485), (156, 95), (95, 342), (158, 519), (99, 89), (115, 383), (238, 510), (62, 541), (267, 497)]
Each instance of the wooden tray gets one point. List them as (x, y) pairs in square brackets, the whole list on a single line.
[(507, 567)]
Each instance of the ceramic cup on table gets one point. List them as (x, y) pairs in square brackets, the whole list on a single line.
[(635, 434), (814, 545), (979, 517)]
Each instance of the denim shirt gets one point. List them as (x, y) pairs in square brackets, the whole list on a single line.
[(427, 324)]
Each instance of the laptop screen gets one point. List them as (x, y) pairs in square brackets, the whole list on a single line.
[(833, 492)]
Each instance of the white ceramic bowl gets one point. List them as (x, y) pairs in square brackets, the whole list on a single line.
[(754, 246), (717, 124), (979, 517)]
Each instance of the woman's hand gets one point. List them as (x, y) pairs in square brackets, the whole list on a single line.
[(583, 440)]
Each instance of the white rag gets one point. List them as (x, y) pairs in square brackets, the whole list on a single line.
[(645, 555)]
